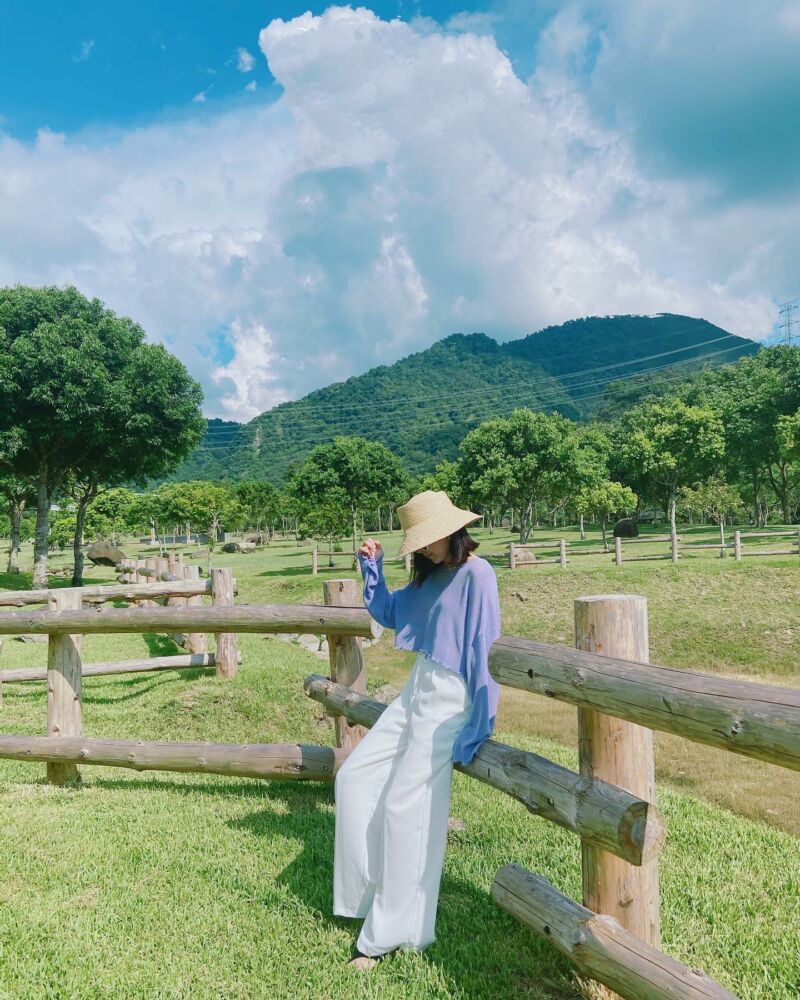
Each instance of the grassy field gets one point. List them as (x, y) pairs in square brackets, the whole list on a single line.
[(181, 886)]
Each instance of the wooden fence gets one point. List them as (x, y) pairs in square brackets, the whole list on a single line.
[(677, 548), (162, 586), (613, 936)]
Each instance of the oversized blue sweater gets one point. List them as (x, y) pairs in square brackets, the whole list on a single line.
[(454, 617)]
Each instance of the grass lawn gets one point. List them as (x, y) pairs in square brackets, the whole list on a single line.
[(178, 886)]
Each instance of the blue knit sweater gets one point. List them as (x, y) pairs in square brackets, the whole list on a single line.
[(454, 617)]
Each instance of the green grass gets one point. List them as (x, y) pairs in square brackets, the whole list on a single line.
[(181, 886)]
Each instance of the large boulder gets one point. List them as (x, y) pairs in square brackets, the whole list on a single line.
[(105, 554), (626, 527), (243, 547)]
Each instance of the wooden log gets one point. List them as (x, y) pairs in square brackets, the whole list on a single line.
[(737, 545), (768, 534), (346, 657), (109, 592), (181, 661), (599, 813), (151, 569), (772, 552), (545, 544), (752, 719), (645, 558), (618, 550), (621, 753), (598, 945), (196, 642), (64, 682), (296, 761), (562, 554), (674, 548), (644, 540), (705, 545), (407, 562), (314, 561), (222, 597), (244, 618)]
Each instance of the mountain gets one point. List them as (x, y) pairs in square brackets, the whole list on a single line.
[(423, 405)]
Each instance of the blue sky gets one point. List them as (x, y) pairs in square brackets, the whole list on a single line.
[(289, 195)]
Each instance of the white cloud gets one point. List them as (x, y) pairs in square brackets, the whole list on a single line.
[(200, 98), (84, 52), (251, 86), (245, 61), (405, 185)]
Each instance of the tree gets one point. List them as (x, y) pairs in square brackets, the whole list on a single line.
[(528, 460), (715, 498), (351, 471), (605, 499), (260, 502), (196, 503), (671, 444), (18, 493), (83, 395)]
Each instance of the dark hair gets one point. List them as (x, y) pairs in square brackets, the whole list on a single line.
[(461, 544)]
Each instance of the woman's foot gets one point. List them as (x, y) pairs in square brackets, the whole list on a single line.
[(363, 962)]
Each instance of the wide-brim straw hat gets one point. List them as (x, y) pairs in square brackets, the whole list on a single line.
[(428, 516)]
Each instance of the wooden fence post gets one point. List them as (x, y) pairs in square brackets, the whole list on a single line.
[(196, 642), (562, 553), (622, 753), (673, 541), (314, 561), (346, 657), (222, 596), (512, 556), (617, 550), (737, 545), (151, 563), (407, 562), (64, 684)]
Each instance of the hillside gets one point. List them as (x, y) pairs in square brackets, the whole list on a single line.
[(422, 405)]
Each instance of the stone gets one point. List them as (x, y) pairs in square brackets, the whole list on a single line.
[(105, 554), (242, 547), (31, 638), (626, 527)]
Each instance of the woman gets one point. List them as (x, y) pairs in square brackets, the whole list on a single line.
[(393, 791)]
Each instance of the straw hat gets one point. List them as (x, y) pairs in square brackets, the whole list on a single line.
[(428, 516)]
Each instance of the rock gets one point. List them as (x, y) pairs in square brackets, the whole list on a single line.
[(105, 554), (626, 527), (31, 638), (519, 597), (243, 547)]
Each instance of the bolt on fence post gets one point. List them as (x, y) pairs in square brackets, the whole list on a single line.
[(622, 753)]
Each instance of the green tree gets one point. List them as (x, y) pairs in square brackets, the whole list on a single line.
[(671, 444), (18, 493), (714, 498), (83, 396), (605, 499)]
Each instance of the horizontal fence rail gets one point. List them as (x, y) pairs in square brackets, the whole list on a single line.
[(598, 944), (180, 661), (597, 811), (313, 618), (297, 761), (112, 592), (756, 720)]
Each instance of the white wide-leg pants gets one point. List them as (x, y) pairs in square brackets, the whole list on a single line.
[(392, 806)]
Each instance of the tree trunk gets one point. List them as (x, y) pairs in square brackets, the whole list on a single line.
[(42, 530), (355, 540), (77, 551), (17, 508), (672, 526), (583, 532), (603, 525)]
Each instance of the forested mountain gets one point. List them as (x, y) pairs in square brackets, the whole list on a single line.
[(423, 405)]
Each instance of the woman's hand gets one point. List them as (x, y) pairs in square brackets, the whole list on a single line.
[(371, 548)]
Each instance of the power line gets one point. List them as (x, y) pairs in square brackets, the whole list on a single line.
[(548, 396), (299, 443)]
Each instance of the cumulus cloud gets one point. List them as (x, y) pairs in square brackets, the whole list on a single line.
[(406, 184)]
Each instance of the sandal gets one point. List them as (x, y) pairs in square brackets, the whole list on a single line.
[(356, 953)]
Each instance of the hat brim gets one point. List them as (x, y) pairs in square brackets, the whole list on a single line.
[(439, 526)]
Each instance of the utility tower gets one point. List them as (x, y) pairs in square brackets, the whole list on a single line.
[(789, 324)]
